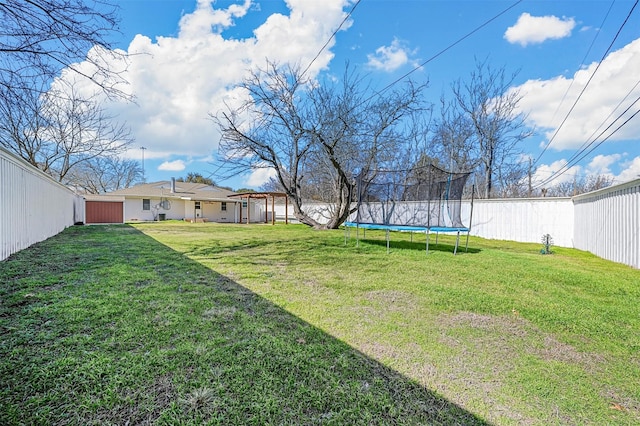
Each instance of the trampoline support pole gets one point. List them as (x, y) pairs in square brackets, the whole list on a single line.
[(473, 192), (387, 241), (455, 249), (427, 249)]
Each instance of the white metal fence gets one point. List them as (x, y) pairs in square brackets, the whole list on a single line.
[(33, 207), (524, 220), (607, 223)]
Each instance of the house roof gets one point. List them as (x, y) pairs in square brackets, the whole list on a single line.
[(183, 190)]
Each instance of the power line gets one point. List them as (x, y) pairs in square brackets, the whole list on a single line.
[(592, 138), (584, 59), (331, 38), (449, 47), (588, 81), (577, 159)]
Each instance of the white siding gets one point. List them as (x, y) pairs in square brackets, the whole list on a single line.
[(33, 207), (607, 223), (185, 209), (133, 210)]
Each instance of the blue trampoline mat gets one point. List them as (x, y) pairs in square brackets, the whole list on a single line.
[(404, 228)]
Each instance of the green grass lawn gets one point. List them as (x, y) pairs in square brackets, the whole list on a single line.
[(176, 323)]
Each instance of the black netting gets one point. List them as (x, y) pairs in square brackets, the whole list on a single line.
[(425, 196)]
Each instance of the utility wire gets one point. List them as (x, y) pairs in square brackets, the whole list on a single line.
[(592, 138), (588, 81), (582, 154), (611, 134), (452, 45), (564, 97), (331, 38)]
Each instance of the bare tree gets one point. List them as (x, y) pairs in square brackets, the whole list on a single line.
[(453, 138), (580, 185), (58, 132), (104, 174), (315, 137), (22, 125), (52, 126), (492, 108), (39, 38)]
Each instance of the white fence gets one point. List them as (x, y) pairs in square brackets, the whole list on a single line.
[(525, 220), (33, 207), (607, 223)]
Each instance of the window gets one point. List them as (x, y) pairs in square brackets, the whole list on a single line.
[(146, 204), (197, 205), (244, 204), (224, 206)]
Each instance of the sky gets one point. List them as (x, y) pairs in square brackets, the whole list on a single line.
[(577, 64)]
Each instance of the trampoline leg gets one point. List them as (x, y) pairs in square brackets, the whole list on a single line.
[(455, 249), (357, 236), (466, 247), (427, 249), (387, 241)]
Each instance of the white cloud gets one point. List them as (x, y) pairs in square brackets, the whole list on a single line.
[(172, 166), (631, 171), (546, 171), (259, 177), (537, 29), (601, 164), (205, 19), (596, 108), (178, 81), (389, 58)]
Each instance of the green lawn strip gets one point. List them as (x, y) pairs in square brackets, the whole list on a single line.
[(104, 325), (525, 315)]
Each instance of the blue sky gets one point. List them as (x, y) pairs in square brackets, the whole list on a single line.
[(185, 55)]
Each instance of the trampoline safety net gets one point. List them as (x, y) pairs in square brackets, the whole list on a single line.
[(426, 197)]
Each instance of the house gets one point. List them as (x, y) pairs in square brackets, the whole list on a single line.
[(165, 200)]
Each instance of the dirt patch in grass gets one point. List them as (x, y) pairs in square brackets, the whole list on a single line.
[(424, 372), (485, 350), (392, 300), (501, 336)]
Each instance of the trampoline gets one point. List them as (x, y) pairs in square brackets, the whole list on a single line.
[(422, 200)]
